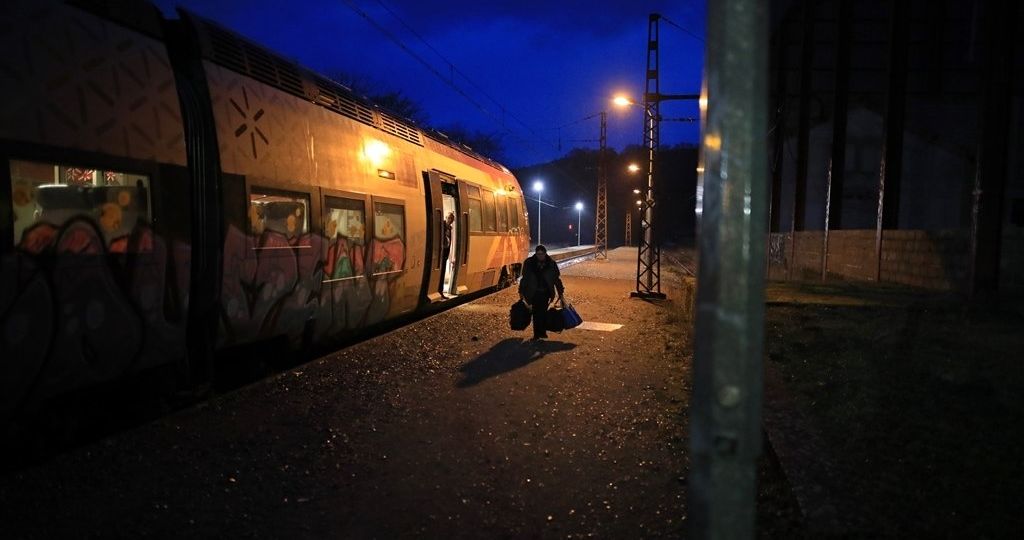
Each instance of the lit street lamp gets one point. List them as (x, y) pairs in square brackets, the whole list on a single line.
[(579, 214), (633, 168), (538, 186), (648, 280)]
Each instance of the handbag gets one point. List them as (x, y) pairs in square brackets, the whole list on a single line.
[(570, 317), (519, 316), (555, 320)]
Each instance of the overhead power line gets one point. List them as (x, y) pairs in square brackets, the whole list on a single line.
[(687, 32), (449, 81)]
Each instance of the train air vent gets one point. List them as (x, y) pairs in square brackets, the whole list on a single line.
[(399, 129), (244, 57), (335, 97)]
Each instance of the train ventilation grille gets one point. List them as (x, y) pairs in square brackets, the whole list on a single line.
[(251, 60), (329, 96), (399, 129), (242, 56)]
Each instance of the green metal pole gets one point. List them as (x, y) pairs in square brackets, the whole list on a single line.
[(725, 419)]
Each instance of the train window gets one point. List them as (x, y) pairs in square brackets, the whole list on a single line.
[(388, 246), (513, 213), (49, 201), (345, 232), (502, 210), (475, 207), (488, 217), (278, 218)]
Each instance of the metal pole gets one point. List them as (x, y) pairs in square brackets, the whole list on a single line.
[(629, 229), (725, 423), (579, 217), (890, 169), (601, 209), (994, 119), (652, 128), (538, 217), (648, 256)]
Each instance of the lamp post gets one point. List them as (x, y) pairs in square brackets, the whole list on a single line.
[(538, 186), (579, 217), (648, 267)]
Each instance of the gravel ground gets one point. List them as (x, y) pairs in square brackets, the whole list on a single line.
[(451, 427)]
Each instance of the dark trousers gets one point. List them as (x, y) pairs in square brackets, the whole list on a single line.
[(540, 313), (444, 268)]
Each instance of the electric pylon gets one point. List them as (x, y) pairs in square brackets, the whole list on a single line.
[(601, 215)]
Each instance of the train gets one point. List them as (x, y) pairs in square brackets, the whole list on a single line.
[(171, 191)]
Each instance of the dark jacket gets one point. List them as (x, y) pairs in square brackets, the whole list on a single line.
[(534, 278)]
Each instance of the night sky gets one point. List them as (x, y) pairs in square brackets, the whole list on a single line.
[(546, 63)]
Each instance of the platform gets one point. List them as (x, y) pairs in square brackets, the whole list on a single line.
[(453, 426)]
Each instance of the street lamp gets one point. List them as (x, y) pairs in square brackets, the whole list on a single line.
[(622, 101), (633, 168), (538, 186), (648, 280), (579, 214)]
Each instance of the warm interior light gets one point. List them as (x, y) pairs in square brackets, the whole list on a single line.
[(700, 169), (376, 151)]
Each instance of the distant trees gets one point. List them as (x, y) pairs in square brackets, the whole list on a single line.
[(389, 98), (487, 143)]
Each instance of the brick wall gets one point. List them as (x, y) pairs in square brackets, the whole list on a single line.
[(930, 259), (935, 260), (851, 255), (807, 249)]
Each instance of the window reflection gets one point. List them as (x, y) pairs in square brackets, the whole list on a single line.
[(279, 218), (388, 251), (46, 198), (345, 231)]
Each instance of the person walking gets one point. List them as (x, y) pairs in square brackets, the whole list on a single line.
[(541, 281)]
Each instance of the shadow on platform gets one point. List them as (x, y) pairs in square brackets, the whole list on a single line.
[(505, 356)]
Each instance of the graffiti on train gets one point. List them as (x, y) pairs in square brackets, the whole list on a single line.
[(76, 308), (79, 306)]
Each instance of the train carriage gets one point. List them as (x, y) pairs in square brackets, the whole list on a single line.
[(170, 191)]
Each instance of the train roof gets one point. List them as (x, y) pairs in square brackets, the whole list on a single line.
[(233, 51)]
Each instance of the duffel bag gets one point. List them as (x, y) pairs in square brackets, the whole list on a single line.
[(519, 316)]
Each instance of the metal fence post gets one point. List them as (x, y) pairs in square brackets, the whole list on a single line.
[(725, 421)]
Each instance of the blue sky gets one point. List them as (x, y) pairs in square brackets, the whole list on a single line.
[(545, 63)]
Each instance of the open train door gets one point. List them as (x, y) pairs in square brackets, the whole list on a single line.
[(446, 238)]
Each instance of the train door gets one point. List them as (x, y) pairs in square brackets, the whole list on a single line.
[(450, 234), (446, 238)]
